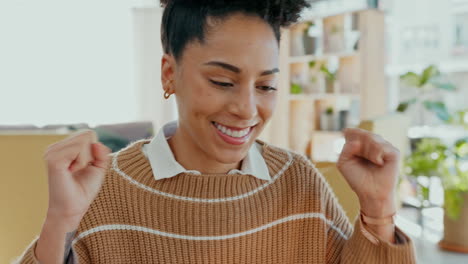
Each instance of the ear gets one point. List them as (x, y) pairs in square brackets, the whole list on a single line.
[(168, 69)]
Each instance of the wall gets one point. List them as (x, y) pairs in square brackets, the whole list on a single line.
[(66, 61)]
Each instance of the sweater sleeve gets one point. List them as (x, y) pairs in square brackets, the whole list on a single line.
[(345, 246), (29, 256), (359, 249)]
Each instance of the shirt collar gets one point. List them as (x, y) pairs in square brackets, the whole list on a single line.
[(164, 165)]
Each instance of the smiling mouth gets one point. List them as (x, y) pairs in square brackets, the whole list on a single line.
[(233, 131)]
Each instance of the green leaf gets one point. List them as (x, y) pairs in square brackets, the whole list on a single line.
[(403, 106), (461, 148), (424, 192), (453, 203), (438, 108), (329, 75), (296, 88), (411, 79), (312, 64), (427, 158), (444, 86), (428, 73)]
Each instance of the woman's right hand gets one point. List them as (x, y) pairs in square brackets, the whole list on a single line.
[(76, 167)]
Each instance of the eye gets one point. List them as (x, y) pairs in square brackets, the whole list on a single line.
[(222, 84), (267, 88)]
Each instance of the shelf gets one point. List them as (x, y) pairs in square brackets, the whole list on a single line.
[(322, 9), (327, 133), (299, 115), (313, 97), (327, 145), (449, 66), (308, 58)]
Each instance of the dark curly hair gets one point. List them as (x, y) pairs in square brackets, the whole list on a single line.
[(185, 20)]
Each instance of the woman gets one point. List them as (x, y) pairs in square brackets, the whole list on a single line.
[(205, 190)]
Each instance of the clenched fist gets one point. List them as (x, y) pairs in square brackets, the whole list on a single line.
[(370, 165), (76, 167)]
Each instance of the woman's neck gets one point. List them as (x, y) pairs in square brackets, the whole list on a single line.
[(192, 157)]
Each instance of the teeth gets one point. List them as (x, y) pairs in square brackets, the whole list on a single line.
[(229, 132)]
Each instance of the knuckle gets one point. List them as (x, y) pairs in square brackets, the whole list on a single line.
[(51, 159), (396, 151), (340, 161), (49, 154), (368, 136), (90, 134), (51, 148), (339, 164), (348, 130), (377, 138), (45, 153), (46, 156), (378, 145), (82, 135)]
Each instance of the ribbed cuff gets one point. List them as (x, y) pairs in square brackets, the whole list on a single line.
[(29, 256), (359, 249)]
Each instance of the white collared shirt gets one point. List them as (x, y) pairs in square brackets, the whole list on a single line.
[(164, 165)]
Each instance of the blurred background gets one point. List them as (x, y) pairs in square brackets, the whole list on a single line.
[(398, 68)]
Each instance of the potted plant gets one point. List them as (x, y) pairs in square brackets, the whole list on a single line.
[(297, 47), (454, 173), (316, 84), (312, 39), (427, 87), (331, 83), (296, 88), (335, 39), (424, 163), (433, 158), (328, 119)]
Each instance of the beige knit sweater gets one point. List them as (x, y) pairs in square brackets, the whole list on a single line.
[(222, 218)]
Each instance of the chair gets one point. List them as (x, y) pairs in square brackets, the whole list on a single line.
[(23, 190)]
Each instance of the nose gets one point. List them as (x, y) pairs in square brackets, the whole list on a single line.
[(244, 103)]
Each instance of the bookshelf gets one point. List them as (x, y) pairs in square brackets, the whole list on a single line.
[(329, 64)]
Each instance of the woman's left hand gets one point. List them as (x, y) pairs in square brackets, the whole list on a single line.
[(370, 165)]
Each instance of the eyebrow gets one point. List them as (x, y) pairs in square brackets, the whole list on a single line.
[(235, 69)]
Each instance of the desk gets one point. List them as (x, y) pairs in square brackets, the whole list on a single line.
[(427, 236)]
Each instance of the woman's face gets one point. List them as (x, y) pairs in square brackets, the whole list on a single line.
[(226, 87)]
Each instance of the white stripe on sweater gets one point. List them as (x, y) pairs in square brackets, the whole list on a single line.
[(223, 237), (116, 168)]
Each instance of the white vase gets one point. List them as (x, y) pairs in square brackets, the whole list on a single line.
[(352, 39), (297, 44), (328, 122), (335, 43), (316, 84)]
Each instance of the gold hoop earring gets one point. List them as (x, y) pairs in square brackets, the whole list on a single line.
[(166, 93)]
